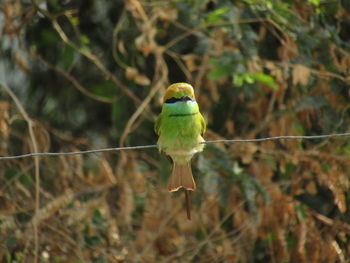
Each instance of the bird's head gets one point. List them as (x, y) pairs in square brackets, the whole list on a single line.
[(179, 92)]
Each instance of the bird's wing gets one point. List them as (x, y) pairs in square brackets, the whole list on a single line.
[(204, 126), (157, 125)]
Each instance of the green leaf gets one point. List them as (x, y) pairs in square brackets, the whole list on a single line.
[(11, 241), (11, 173), (67, 57), (74, 20), (219, 73), (299, 129), (92, 241), (99, 260), (265, 79), (301, 212), (288, 170), (314, 2), (98, 220), (238, 80), (25, 179), (249, 78), (217, 15), (84, 39)]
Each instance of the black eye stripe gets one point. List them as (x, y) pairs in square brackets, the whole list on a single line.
[(173, 99)]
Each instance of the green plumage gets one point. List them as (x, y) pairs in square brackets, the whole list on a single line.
[(180, 126)]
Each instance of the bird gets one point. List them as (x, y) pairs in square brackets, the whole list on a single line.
[(180, 127)]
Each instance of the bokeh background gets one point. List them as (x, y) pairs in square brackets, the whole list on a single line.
[(84, 74)]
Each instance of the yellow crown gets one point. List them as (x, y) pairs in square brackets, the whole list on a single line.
[(179, 90)]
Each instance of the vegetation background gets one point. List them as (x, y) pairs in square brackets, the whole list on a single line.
[(91, 74)]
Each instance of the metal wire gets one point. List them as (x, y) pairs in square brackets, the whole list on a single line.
[(287, 137)]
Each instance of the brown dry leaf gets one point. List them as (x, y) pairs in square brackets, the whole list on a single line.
[(151, 219), (280, 245), (262, 32), (338, 251), (134, 75), (121, 47), (21, 62), (330, 249), (214, 92), (131, 73), (285, 210), (278, 75), (135, 177), (344, 65), (80, 211), (299, 252), (339, 197), (138, 183), (322, 84), (75, 166), (106, 171), (6, 206), (230, 127), (332, 182), (7, 9), (269, 65), (18, 8), (311, 188), (142, 80), (287, 50), (42, 137), (126, 203), (283, 126), (170, 241), (258, 109), (282, 164), (254, 65), (23, 189), (228, 248), (4, 120), (240, 216), (167, 14), (300, 75), (281, 210), (71, 169), (186, 226), (51, 208), (209, 211), (314, 246), (190, 61), (145, 45), (246, 151), (235, 200), (261, 171), (333, 100), (136, 8)]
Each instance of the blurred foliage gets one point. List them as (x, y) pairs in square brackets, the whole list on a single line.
[(91, 74)]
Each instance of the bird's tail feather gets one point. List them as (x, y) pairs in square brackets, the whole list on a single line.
[(181, 177)]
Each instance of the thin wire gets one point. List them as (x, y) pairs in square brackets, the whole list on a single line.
[(287, 137), (78, 152), (308, 137)]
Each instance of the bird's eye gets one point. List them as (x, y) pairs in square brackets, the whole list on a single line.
[(186, 98), (172, 100)]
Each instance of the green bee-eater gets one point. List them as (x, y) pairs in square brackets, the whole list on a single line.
[(180, 127)]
